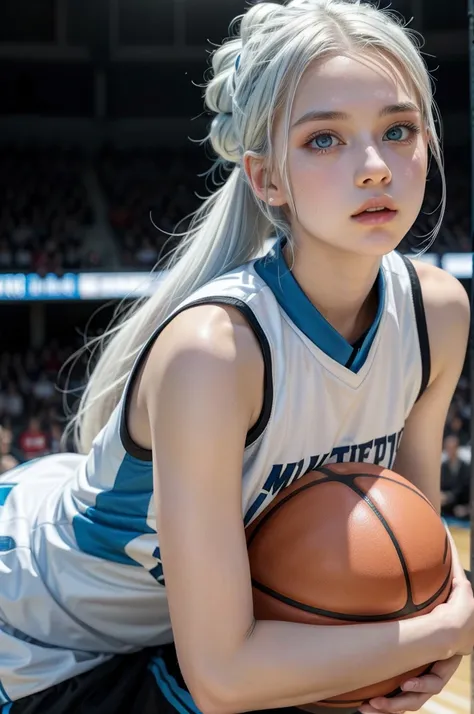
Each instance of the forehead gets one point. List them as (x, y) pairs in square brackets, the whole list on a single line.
[(350, 83)]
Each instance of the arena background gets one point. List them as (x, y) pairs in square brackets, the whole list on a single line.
[(100, 115)]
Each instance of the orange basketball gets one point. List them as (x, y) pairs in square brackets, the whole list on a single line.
[(346, 544)]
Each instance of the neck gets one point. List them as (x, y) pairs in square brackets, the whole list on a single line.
[(340, 285)]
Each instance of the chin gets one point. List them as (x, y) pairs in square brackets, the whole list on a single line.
[(370, 242), (379, 243)]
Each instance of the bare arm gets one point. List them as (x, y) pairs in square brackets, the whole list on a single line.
[(203, 383), (447, 315)]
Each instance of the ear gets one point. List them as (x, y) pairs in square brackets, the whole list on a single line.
[(267, 188)]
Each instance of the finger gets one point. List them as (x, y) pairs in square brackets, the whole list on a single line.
[(417, 690), (402, 702), (441, 673), (428, 684), (368, 709)]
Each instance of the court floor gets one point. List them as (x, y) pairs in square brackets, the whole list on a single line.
[(456, 698)]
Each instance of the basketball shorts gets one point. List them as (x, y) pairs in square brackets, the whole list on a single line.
[(147, 682)]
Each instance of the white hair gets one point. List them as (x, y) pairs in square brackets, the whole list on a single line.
[(255, 75)]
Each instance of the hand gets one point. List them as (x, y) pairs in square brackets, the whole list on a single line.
[(456, 616), (446, 497), (7, 463), (461, 511), (416, 691)]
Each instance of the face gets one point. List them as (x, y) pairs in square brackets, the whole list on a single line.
[(456, 423), (451, 445), (5, 438), (356, 134)]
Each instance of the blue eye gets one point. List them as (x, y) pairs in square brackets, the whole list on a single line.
[(399, 133), (323, 141)]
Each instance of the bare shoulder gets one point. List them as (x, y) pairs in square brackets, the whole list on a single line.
[(444, 296), (217, 332), (440, 288), (206, 346), (447, 311)]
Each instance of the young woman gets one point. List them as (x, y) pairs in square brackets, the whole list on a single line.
[(238, 376)]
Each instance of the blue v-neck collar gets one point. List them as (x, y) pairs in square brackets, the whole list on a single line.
[(272, 268)]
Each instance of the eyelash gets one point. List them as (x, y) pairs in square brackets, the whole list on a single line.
[(414, 129)]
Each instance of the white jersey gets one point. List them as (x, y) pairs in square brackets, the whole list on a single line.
[(80, 571)]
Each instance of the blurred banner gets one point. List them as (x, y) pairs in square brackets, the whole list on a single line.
[(105, 286)]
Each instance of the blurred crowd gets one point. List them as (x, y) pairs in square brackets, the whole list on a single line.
[(49, 198), (456, 465), (45, 211), (37, 390), (454, 235), (34, 387), (150, 194)]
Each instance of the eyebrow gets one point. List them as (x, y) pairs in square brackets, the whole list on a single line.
[(343, 116)]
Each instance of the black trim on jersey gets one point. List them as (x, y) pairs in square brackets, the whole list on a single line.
[(423, 337), (357, 345), (257, 430)]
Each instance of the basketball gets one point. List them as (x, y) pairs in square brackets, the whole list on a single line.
[(346, 544)]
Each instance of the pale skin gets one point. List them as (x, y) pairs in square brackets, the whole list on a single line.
[(196, 427)]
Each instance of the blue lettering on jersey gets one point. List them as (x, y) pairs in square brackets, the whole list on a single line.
[(380, 451), (157, 571)]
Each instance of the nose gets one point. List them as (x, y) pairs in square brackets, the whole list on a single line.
[(373, 169)]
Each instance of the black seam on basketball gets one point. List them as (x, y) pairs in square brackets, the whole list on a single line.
[(273, 508), (330, 476), (390, 695), (398, 691), (347, 702), (446, 546), (392, 537), (328, 472), (384, 478), (345, 480), (404, 485), (349, 617)]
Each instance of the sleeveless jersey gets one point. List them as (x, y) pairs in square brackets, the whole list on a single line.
[(80, 570)]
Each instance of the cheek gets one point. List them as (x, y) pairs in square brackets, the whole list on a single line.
[(415, 169), (313, 179)]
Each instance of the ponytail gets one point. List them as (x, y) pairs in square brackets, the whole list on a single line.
[(229, 229)]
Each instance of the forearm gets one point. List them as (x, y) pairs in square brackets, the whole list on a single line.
[(285, 664)]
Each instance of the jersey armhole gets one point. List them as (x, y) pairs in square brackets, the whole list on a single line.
[(423, 337), (257, 430)]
